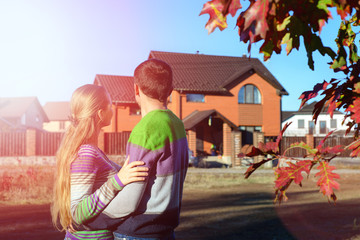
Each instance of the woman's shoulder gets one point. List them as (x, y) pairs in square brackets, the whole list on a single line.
[(88, 150)]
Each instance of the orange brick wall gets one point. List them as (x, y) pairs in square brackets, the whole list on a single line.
[(125, 121), (266, 114)]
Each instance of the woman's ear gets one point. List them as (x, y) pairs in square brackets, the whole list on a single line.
[(100, 114)]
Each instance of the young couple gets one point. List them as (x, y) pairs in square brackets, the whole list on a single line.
[(97, 199)]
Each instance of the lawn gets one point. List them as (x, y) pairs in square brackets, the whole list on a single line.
[(217, 204)]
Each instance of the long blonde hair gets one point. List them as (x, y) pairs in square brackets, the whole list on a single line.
[(85, 103)]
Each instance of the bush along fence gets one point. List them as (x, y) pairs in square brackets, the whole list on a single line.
[(40, 143)]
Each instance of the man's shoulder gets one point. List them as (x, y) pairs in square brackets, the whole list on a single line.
[(156, 128)]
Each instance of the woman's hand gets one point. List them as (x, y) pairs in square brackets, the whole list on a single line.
[(132, 172)]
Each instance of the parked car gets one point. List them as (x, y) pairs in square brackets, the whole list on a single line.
[(193, 161)]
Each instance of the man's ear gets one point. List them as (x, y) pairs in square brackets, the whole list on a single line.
[(136, 88)]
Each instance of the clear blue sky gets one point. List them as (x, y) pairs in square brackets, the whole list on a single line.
[(49, 48)]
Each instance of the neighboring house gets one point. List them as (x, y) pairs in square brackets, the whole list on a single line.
[(213, 95), (302, 123), (6, 125), (22, 113), (58, 114)]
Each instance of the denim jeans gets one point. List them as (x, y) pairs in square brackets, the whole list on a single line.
[(118, 236)]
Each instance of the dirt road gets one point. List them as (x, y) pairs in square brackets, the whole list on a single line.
[(244, 211)]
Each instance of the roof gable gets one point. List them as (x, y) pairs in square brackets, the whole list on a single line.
[(212, 74), (120, 88), (196, 117), (15, 107), (57, 111), (306, 110), (309, 108)]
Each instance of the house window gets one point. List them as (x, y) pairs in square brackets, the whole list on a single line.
[(301, 123), (333, 123), (250, 128), (322, 126), (195, 97), (249, 94), (170, 98), (135, 110), (62, 125), (311, 127)]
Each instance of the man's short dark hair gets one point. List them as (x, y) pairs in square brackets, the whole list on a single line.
[(154, 78)]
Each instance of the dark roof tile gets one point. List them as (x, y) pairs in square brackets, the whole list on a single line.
[(120, 88), (211, 73)]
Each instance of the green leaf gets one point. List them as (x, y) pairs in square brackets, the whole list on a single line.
[(283, 25), (267, 49)]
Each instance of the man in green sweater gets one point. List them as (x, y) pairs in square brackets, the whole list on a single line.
[(151, 209)]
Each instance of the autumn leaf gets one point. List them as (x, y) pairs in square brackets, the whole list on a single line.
[(307, 95), (234, 6), (218, 10), (285, 176), (292, 172), (355, 110), (326, 180), (321, 143), (279, 137), (355, 147), (252, 23), (255, 166), (217, 19)]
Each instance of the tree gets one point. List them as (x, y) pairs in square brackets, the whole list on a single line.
[(292, 22)]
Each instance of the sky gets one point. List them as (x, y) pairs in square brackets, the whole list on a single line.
[(48, 48)]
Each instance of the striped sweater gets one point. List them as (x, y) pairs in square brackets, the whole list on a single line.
[(94, 183), (151, 209)]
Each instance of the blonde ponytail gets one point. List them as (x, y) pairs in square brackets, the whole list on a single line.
[(85, 103)]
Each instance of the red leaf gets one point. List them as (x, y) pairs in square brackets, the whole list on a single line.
[(214, 8), (278, 139), (254, 152), (269, 147), (323, 140), (252, 23), (326, 180), (307, 95), (355, 110), (293, 172), (343, 12), (355, 146), (255, 166), (286, 175), (234, 7)]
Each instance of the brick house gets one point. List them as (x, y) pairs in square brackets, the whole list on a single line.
[(58, 114), (215, 96)]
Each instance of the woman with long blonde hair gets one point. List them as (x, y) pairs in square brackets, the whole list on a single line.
[(86, 180)]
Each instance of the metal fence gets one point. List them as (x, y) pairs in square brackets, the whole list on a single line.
[(294, 152), (47, 143), (12, 143), (336, 140), (329, 142), (115, 143)]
